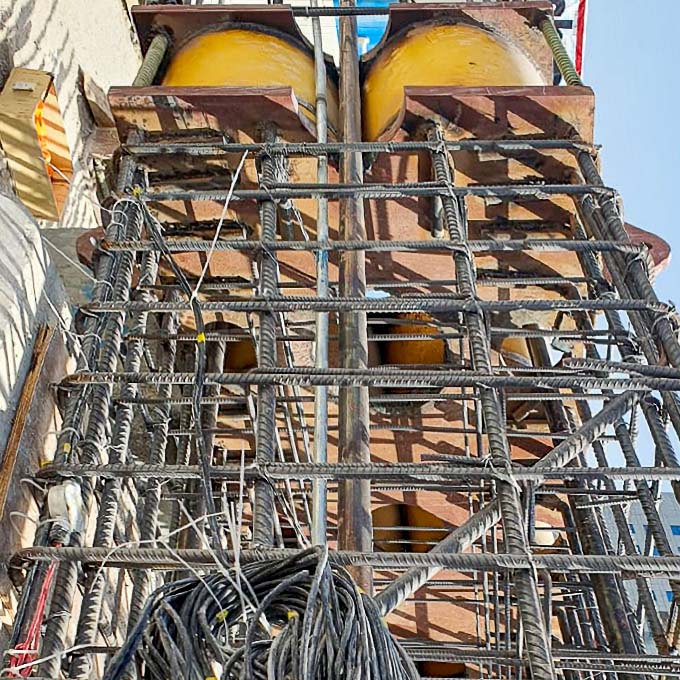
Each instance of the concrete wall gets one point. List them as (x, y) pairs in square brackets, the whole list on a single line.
[(31, 294), (72, 40)]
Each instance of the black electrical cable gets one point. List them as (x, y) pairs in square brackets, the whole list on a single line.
[(310, 622), (204, 456)]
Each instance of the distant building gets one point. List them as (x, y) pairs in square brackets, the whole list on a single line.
[(670, 517)]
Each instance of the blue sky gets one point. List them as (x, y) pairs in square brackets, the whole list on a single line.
[(633, 63)]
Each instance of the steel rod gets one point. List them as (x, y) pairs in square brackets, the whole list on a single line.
[(157, 558), (354, 500), (377, 377), (321, 333), (411, 473), (353, 190), (163, 148), (264, 509), (411, 303), (514, 534), (182, 245)]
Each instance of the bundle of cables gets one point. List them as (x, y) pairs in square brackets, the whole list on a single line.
[(294, 619)]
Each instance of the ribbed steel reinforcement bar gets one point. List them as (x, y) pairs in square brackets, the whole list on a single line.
[(526, 588), (315, 148), (412, 303), (274, 191), (91, 447), (476, 246), (634, 273), (264, 508), (378, 377), (157, 558), (411, 473), (90, 610)]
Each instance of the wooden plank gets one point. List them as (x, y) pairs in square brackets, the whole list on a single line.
[(26, 92), (42, 343)]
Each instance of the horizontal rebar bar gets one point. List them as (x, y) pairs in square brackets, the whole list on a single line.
[(158, 558), (378, 377), (284, 192), (411, 473), (316, 148), (182, 245), (413, 303)]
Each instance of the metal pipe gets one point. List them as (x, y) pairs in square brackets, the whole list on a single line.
[(354, 497), (319, 491)]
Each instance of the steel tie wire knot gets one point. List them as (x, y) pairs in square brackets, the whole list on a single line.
[(641, 257), (670, 315)]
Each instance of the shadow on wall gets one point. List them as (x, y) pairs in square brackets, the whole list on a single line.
[(68, 38), (30, 293)]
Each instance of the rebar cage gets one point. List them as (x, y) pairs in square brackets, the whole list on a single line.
[(235, 403)]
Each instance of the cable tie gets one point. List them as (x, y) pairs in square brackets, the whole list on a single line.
[(137, 191), (292, 614), (200, 338), (222, 615)]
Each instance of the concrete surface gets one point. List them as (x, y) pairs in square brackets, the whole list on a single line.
[(31, 293), (71, 39)]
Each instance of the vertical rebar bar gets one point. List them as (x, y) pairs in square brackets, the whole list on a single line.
[(526, 587), (92, 445), (90, 611), (264, 508), (560, 54), (152, 61)]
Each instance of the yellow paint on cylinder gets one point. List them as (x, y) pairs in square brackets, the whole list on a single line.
[(427, 352), (240, 356), (401, 527), (439, 55), (239, 57), (388, 539), (439, 669), (421, 535), (516, 351)]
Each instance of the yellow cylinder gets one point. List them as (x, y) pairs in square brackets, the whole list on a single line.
[(433, 55), (428, 352), (247, 57)]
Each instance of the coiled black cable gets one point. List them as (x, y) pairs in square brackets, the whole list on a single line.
[(302, 619)]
